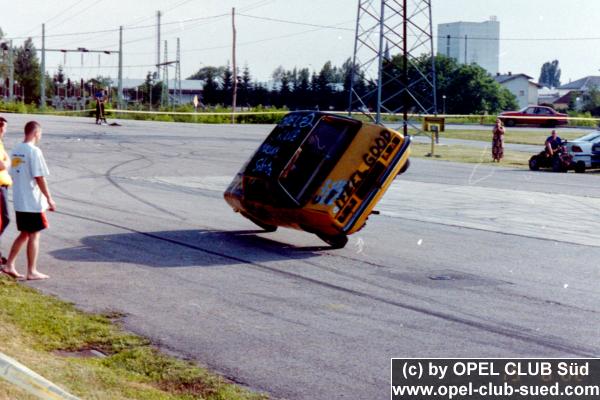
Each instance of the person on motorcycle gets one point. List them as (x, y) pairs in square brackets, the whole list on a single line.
[(553, 143)]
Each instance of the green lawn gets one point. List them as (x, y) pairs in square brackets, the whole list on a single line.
[(37, 329), (469, 154), (517, 137)]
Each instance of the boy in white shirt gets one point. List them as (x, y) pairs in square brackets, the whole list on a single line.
[(31, 198)]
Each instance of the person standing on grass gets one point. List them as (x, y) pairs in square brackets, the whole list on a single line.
[(31, 198), (5, 183), (498, 141)]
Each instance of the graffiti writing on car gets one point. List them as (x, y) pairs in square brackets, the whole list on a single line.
[(370, 171), (264, 166), (329, 191), (269, 149)]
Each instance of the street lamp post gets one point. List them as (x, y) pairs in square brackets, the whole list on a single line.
[(444, 104)]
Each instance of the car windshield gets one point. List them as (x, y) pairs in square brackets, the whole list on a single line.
[(316, 157), (590, 137)]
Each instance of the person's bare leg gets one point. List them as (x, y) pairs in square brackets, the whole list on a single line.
[(10, 269), (33, 246)]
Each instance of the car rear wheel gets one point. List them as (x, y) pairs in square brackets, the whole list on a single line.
[(533, 163), (335, 241), (404, 167), (580, 167)]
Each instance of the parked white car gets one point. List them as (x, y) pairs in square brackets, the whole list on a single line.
[(585, 151)]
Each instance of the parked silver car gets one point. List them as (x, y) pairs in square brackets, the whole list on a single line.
[(585, 151)]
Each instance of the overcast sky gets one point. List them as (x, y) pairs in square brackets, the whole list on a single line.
[(525, 27)]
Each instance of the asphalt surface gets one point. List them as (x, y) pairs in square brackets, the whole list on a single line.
[(464, 261)]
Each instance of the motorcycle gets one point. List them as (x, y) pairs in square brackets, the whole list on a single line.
[(560, 161)]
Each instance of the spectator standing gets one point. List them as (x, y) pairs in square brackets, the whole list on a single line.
[(5, 183), (498, 141), (31, 198)]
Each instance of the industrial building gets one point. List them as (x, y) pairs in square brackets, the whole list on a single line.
[(471, 42)]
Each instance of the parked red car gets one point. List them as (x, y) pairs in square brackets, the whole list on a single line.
[(534, 115)]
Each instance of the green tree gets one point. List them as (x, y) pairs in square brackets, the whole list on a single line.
[(210, 89), (245, 86), (469, 89), (591, 101), (204, 72), (27, 71), (550, 74)]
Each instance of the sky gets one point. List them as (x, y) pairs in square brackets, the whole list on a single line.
[(532, 32)]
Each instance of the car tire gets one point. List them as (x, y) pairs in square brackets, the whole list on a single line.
[(335, 241), (510, 122), (580, 167), (534, 164), (404, 167)]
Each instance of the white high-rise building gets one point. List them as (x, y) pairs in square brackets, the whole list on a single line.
[(471, 42)]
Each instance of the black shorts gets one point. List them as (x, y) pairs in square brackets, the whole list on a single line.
[(31, 221)]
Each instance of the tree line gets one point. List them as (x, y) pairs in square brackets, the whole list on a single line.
[(468, 89)]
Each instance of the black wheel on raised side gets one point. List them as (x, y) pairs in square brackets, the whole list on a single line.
[(266, 227), (533, 163), (335, 241), (404, 167)]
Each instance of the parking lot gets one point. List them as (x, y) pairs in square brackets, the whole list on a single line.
[(465, 260)]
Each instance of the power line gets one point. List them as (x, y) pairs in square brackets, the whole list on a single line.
[(258, 41), (181, 3), (72, 16), (297, 22), (183, 21)]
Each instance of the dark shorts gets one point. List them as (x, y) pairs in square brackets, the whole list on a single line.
[(31, 222)]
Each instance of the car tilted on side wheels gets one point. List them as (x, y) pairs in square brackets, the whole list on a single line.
[(320, 173)]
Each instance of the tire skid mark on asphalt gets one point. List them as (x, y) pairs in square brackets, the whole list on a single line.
[(554, 343), (111, 179)]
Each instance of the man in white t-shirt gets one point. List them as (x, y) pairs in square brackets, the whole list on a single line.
[(31, 198)]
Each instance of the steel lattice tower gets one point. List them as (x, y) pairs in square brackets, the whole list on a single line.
[(393, 54)]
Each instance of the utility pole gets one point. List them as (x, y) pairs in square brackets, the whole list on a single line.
[(43, 70), (11, 72), (120, 87), (158, 14), (234, 96), (178, 71), (164, 98)]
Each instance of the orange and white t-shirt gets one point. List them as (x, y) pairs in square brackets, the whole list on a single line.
[(5, 179)]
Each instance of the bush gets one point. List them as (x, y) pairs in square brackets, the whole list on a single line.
[(576, 122)]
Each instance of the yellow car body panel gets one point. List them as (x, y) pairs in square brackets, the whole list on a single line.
[(319, 173)]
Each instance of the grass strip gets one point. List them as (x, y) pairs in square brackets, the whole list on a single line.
[(38, 330), (469, 154), (516, 137)]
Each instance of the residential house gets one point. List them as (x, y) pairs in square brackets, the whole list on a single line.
[(521, 86)]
